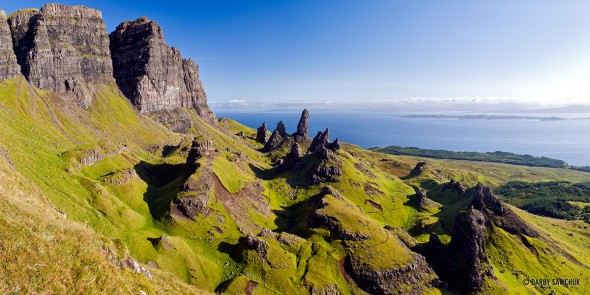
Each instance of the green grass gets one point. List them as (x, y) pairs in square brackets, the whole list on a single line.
[(122, 202), (498, 157)]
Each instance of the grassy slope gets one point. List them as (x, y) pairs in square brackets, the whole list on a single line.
[(45, 138)]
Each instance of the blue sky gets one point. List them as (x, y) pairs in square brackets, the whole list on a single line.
[(376, 49)]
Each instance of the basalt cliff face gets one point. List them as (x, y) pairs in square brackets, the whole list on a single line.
[(153, 75), (66, 49), (8, 65)]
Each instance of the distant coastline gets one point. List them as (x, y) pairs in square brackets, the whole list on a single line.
[(491, 117), (495, 157)]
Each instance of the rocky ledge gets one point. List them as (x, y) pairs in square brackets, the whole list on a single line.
[(498, 213)]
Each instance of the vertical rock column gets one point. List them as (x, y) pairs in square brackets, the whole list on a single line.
[(8, 66)]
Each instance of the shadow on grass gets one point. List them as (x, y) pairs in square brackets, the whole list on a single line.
[(164, 182)]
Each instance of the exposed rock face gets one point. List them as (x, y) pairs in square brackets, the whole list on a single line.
[(321, 140), (321, 143), (136, 267), (273, 142), (498, 213), (191, 206), (64, 49), (198, 149), (261, 133), (418, 169), (328, 168), (334, 146), (195, 191), (422, 198), (293, 157), (302, 127), (454, 185), (8, 66), (326, 172), (468, 239), (153, 75), (257, 244), (417, 274), (281, 129)]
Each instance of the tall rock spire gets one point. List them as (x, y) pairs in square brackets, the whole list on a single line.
[(303, 126)]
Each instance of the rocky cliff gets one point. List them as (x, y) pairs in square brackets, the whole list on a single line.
[(153, 75), (64, 49), (469, 239), (8, 65)]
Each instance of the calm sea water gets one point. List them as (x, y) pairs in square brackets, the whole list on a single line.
[(567, 140)]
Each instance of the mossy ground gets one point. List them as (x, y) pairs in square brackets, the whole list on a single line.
[(107, 205)]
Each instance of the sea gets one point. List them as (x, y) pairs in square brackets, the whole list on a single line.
[(567, 139)]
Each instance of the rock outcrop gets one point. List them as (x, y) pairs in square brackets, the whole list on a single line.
[(261, 133), (497, 213), (416, 274), (273, 142), (153, 75), (293, 157), (418, 169), (320, 141), (326, 171), (198, 149), (64, 49), (455, 186), (195, 196), (303, 125), (281, 129), (328, 168), (468, 239), (8, 66), (422, 198), (335, 145)]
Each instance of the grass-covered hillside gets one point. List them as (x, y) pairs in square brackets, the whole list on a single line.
[(497, 157), (105, 200)]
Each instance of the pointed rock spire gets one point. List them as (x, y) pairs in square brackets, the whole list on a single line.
[(303, 126), (281, 129), (261, 133)]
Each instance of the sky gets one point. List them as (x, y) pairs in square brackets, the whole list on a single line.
[(483, 50)]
